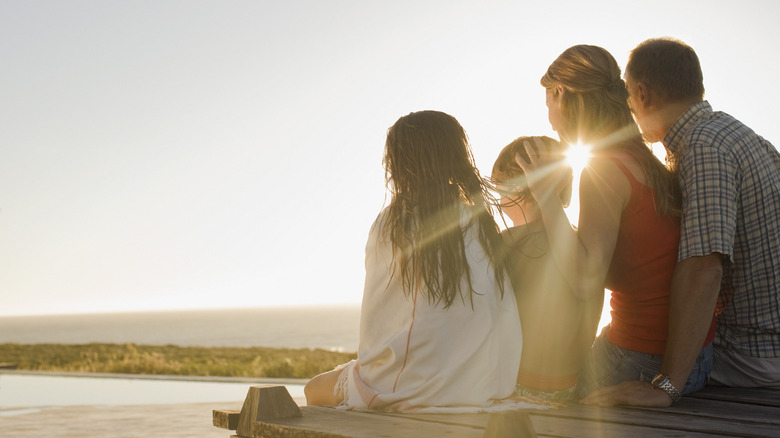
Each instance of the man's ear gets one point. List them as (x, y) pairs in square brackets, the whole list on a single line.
[(644, 95)]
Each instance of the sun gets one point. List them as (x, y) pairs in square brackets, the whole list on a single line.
[(577, 157)]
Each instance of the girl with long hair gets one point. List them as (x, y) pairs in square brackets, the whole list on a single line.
[(629, 225), (439, 327)]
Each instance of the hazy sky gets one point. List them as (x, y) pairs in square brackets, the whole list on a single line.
[(189, 154)]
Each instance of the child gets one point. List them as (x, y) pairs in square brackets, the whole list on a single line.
[(558, 328), (438, 316)]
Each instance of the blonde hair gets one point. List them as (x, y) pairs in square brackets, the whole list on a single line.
[(595, 109)]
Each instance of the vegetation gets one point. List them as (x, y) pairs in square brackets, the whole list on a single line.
[(173, 360)]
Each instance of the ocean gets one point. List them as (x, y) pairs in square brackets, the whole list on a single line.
[(327, 327)]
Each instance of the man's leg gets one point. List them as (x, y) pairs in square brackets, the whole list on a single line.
[(731, 368)]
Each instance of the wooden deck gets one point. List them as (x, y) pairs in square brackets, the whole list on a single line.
[(270, 412)]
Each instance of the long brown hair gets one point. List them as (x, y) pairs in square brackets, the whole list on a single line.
[(596, 112), (430, 173)]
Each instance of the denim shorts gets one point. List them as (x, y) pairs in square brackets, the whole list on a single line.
[(608, 365)]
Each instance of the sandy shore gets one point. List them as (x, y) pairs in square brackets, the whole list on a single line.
[(163, 421)]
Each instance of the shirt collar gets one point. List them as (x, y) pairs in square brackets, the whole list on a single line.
[(672, 139)]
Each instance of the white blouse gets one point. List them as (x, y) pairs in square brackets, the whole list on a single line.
[(415, 357)]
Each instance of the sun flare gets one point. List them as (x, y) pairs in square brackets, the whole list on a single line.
[(577, 156)]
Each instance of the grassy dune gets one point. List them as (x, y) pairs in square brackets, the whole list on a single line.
[(172, 360)]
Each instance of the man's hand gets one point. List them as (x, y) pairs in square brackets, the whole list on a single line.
[(634, 393)]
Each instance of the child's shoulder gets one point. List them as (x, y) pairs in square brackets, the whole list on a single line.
[(527, 236), (519, 231)]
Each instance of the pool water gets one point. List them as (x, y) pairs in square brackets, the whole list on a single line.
[(37, 391)]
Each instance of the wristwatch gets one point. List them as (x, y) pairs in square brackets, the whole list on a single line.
[(662, 382)]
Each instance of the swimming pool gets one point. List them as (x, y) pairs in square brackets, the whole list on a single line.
[(41, 391)]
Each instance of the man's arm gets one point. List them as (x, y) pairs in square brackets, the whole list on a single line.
[(695, 289)]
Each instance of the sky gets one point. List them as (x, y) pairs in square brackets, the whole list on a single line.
[(159, 155)]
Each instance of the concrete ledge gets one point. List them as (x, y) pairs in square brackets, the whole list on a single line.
[(128, 421), (222, 379)]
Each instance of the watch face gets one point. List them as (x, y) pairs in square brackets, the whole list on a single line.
[(663, 383), (658, 380)]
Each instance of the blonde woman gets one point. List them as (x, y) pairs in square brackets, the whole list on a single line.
[(629, 223)]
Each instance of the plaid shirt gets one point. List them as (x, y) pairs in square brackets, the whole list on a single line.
[(730, 181)]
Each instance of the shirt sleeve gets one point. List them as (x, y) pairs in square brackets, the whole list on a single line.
[(708, 181)]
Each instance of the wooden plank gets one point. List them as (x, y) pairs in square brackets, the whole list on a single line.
[(563, 425), (321, 422), (723, 410), (227, 419), (265, 403), (471, 420), (509, 424), (755, 396), (733, 412), (682, 417)]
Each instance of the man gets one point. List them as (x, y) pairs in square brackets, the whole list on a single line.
[(729, 256)]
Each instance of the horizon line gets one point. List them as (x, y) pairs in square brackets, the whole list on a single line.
[(182, 309)]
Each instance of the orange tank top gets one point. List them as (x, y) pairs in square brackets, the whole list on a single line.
[(640, 274)]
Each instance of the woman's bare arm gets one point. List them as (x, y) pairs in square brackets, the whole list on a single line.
[(583, 254)]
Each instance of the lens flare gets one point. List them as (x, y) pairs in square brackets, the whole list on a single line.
[(577, 156)]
